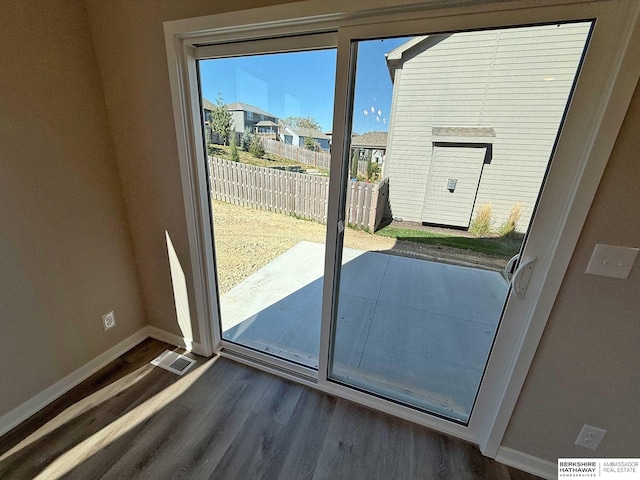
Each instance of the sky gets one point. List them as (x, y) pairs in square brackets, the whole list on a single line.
[(303, 83)]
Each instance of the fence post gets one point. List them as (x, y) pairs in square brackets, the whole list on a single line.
[(374, 207)]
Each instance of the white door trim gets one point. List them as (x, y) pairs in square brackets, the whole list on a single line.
[(598, 112)]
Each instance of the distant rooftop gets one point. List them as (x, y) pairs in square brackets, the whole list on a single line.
[(207, 105), (266, 123), (370, 140), (238, 106)]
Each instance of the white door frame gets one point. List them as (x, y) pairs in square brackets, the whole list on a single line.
[(607, 82)]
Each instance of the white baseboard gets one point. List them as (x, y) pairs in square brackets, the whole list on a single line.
[(522, 461), (174, 339), (44, 398)]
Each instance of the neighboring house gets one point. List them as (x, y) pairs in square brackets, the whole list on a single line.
[(296, 135), (247, 116), (373, 142), (474, 120), (243, 116), (207, 107)]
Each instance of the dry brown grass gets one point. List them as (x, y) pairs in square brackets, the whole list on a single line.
[(247, 239), (508, 228), (482, 223)]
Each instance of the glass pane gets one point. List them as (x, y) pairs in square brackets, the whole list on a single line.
[(452, 135), (267, 121)]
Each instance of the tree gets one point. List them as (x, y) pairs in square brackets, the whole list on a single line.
[(233, 150), (221, 120), (257, 147), (310, 143), (302, 122), (245, 142), (354, 163)]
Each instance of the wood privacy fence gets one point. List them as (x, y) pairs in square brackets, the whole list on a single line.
[(293, 193), (362, 167), (306, 156), (300, 155)]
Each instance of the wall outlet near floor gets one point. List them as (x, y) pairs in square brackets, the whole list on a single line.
[(109, 320), (590, 437)]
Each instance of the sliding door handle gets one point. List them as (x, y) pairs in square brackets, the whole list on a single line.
[(508, 269), (521, 277)]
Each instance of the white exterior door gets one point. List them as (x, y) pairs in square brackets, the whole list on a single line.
[(453, 184)]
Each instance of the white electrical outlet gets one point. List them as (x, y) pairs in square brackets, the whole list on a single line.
[(612, 261), (109, 320), (590, 437)]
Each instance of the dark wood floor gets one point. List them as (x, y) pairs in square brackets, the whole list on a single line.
[(224, 420)]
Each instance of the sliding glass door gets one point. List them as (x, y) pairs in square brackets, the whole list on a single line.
[(450, 139), (265, 119), (378, 205), (455, 131)]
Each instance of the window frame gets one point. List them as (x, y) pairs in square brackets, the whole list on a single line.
[(602, 111)]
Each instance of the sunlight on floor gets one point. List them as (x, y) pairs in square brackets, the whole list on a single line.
[(101, 439), (91, 401)]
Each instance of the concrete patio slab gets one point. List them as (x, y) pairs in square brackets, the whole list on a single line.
[(411, 329)]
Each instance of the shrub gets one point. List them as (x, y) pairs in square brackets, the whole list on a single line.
[(256, 148), (310, 144), (482, 223), (233, 150), (373, 171), (245, 142), (508, 228)]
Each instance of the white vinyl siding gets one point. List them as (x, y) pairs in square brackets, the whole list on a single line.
[(238, 120), (516, 81)]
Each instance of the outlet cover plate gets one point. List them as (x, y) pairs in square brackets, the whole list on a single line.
[(590, 437), (612, 261), (109, 320)]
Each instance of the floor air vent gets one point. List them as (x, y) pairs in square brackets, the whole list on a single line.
[(173, 362)]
